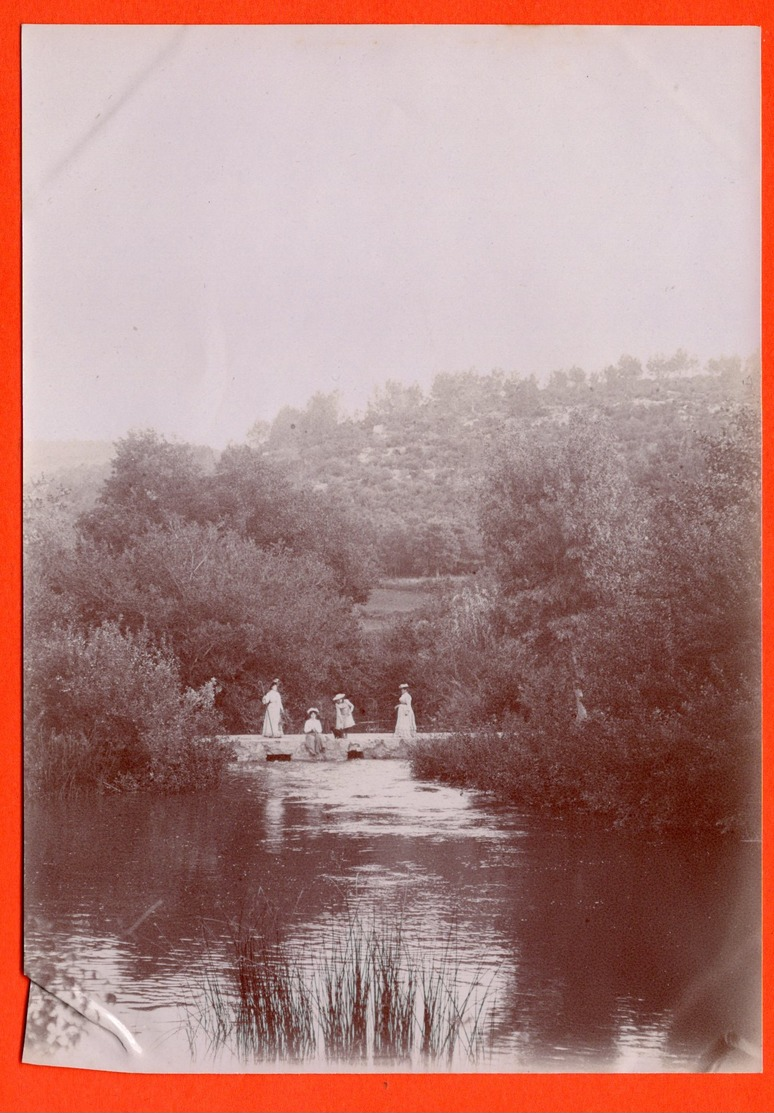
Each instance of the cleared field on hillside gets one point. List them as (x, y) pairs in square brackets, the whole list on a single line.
[(396, 597)]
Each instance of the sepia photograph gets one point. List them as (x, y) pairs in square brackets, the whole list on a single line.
[(392, 528)]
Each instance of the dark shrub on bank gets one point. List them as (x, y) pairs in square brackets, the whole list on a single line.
[(105, 709), (667, 774)]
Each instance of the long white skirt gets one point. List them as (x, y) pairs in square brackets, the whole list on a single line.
[(272, 727), (405, 725)]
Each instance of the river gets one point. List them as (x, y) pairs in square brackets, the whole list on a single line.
[(586, 948)]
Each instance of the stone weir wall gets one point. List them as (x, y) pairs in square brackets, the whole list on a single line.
[(297, 747)]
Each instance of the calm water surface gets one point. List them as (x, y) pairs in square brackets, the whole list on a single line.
[(590, 949)]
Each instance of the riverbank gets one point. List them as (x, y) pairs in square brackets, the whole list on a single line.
[(666, 782)]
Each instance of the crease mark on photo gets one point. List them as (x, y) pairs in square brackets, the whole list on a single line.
[(85, 1006), (104, 117)]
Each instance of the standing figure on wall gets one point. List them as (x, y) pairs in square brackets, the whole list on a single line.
[(344, 718), (272, 719), (405, 725)]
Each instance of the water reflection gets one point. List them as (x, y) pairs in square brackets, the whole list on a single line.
[(274, 817), (601, 951)]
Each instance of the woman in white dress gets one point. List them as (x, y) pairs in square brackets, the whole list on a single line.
[(405, 725), (344, 718), (272, 719)]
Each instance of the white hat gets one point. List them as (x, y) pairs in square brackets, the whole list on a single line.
[(338, 696), (316, 710), (403, 685)]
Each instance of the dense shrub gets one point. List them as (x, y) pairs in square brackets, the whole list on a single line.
[(666, 774), (105, 708), (465, 668), (223, 606), (154, 482)]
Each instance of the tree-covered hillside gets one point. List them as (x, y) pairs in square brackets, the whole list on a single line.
[(410, 464)]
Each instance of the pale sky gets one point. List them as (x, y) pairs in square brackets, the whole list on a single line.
[(219, 221)]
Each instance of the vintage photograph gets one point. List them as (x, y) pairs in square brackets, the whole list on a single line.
[(392, 580)]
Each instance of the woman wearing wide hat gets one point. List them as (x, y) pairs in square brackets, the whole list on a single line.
[(405, 724), (313, 732), (344, 719), (272, 719)]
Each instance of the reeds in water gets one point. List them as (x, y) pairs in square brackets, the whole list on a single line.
[(395, 991), (343, 981), (452, 1015), (275, 1008), (366, 993)]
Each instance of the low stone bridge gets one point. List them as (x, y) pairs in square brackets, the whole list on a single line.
[(299, 747)]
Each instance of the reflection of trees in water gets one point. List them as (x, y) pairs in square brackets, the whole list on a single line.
[(613, 932), (274, 815), (596, 931)]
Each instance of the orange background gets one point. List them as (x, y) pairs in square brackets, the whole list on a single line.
[(36, 1089)]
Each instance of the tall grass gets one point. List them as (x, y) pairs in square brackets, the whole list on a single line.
[(275, 1007), (343, 985), (367, 994), (452, 1014), (395, 989)]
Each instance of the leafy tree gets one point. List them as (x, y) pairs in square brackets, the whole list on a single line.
[(49, 528), (645, 597), (560, 519), (729, 368), (558, 381), (224, 607), (151, 479), (681, 363), (708, 562), (154, 482), (629, 368), (394, 400), (321, 415), (286, 427), (257, 500), (259, 433)]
